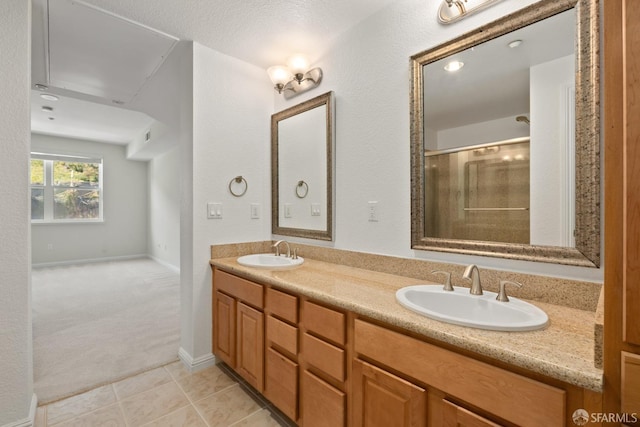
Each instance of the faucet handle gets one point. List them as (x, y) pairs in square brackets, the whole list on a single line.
[(502, 293), (295, 253), (447, 283)]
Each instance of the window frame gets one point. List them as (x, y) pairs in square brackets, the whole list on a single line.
[(49, 186)]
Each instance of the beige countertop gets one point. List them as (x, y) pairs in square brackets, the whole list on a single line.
[(564, 350)]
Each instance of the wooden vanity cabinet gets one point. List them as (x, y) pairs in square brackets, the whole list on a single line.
[(323, 356), (323, 367), (238, 326), (501, 397), (281, 353)]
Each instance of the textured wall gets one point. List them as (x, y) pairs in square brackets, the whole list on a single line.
[(368, 69), (16, 356), (232, 103)]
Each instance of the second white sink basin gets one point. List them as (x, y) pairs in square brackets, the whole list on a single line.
[(477, 311), (269, 261)]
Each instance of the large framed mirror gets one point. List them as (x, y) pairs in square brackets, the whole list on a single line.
[(505, 138), (302, 186)]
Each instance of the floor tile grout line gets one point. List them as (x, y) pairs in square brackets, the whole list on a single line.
[(195, 408)]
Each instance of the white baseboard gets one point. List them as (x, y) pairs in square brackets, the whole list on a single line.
[(197, 364), (87, 261), (165, 263), (30, 421)]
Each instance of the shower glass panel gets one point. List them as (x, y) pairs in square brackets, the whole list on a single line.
[(479, 193)]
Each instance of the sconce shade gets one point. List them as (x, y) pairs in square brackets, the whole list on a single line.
[(279, 74), (295, 78), (298, 64), (453, 10)]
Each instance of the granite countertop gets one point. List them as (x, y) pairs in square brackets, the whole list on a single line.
[(564, 350)]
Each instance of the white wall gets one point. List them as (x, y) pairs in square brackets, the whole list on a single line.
[(16, 355), (368, 69), (124, 230), (483, 133), (232, 105), (164, 208), (549, 85)]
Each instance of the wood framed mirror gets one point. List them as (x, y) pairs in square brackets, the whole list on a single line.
[(468, 177), (302, 164)]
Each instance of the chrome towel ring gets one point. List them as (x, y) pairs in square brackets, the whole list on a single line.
[(238, 180), (302, 189)]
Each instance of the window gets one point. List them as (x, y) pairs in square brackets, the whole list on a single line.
[(65, 188)]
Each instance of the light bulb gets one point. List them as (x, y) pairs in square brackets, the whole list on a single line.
[(279, 74), (298, 64)]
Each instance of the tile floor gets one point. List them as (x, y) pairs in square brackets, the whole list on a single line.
[(164, 397)]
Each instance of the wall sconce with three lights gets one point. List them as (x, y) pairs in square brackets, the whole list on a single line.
[(295, 77)]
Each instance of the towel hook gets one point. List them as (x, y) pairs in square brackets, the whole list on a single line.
[(239, 180), (302, 189)]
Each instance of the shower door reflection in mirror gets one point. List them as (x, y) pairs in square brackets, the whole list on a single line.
[(479, 193)]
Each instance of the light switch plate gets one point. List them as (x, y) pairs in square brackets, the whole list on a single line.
[(255, 210), (287, 210), (315, 209), (214, 210)]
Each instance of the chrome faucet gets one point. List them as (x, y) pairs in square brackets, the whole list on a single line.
[(276, 245), (502, 293), (472, 273)]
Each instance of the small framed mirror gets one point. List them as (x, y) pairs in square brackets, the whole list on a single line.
[(302, 164), (505, 138)]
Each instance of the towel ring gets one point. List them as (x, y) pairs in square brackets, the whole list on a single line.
[(238, 179), (305, 189)]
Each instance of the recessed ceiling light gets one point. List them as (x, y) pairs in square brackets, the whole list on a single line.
[(41, 86), (48, 97), (47, 108), (52, 118), (515, 44), (454, 66)]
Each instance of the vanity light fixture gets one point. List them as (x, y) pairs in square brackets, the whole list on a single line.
[(454, 10), (454, 66), (294, 78)]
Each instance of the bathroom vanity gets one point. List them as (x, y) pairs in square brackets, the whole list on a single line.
[(329, 345)]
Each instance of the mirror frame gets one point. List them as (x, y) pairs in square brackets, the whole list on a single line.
[(328, 100), (587, 162)]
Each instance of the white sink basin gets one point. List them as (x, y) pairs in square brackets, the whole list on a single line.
[(269, 261), (477, 311)]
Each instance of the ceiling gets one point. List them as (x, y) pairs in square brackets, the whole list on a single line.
[(96, 55), (494, 81)]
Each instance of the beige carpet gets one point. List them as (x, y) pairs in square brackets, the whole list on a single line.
[(100, 322)]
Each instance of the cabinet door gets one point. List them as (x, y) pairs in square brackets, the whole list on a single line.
[(250, 345), (224, 331), (322, 404), (281, 383), (381, 399), (456, 416)]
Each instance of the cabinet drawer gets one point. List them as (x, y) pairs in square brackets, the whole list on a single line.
[(249, 292), (456, 416), (281, 383), (282, 305), (507, 395), (324, 356), (327, 323), (322, 404), (282, 335)]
